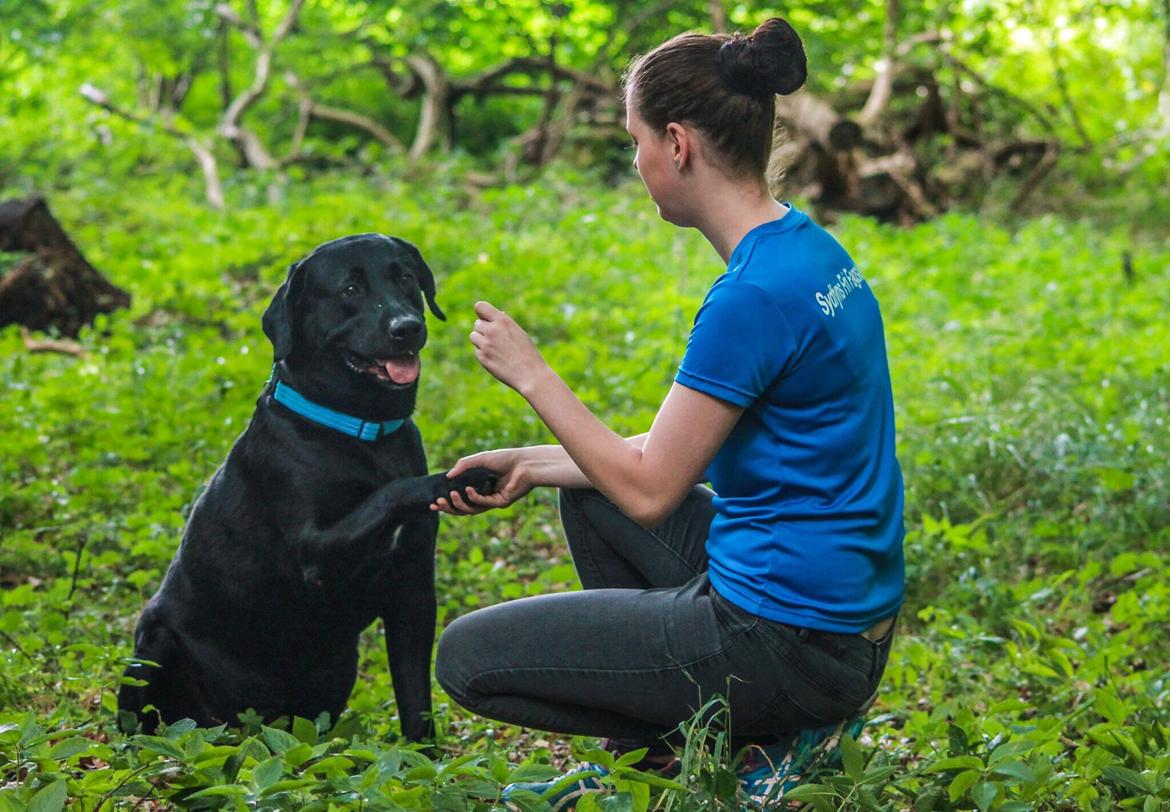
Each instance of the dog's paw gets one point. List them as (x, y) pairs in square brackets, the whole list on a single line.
[(482, 479)]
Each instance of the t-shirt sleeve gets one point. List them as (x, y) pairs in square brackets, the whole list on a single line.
[(739, 343)]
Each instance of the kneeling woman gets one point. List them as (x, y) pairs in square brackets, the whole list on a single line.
[(778, 589)]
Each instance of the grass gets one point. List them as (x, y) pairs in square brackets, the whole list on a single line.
[(1031, 382)]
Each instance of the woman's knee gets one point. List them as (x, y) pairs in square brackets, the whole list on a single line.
[(455, 657)]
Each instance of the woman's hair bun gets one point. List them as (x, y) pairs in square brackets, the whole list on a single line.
[(770, 60)]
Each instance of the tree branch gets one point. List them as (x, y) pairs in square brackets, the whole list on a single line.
[(229, 126), (883, 86), (309, 108), (1066, 97), (975, 76), (207, 163)]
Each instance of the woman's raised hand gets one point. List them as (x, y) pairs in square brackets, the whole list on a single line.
[(505, 350)]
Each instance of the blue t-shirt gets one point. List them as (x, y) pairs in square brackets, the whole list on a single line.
[(808, 527)]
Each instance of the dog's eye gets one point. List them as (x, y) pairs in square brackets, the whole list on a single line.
[(351, 290), (404, 278)]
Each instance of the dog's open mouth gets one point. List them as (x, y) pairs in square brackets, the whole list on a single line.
[(401, 369)]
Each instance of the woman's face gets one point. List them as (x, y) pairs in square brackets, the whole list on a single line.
[(654, 160)]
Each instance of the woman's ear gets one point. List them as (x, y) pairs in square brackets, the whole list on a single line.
[(679, 139)]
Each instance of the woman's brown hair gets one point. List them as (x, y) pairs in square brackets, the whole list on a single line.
[(725, 85)]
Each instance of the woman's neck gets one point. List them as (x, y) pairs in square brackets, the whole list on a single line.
[(731, 210), (727, 228)]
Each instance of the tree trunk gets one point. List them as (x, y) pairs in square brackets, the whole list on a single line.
[(54, 287)]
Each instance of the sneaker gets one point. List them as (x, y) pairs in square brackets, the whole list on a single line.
[(560, 793), (769, 772)]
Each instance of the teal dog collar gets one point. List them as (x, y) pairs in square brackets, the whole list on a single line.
[(338, 421)]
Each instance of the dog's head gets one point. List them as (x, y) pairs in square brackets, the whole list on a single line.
[(351, 315)]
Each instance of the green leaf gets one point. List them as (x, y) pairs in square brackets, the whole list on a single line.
[(304, 730), (498, 768), (983, 794), (298, 755), (1014, 769), (726, 784), (954, 763), (50, 798), (1107, 703), (288, 784), (280, 741), (852, 760), (928, 800), (651, 779), (1115, 479), (587, 803), (268, 772), (621, 802), (639, 794), (179, 728), (330, 764), (961, 783), (71, 747), (1130, 779), (809, 792), (160, 745), (632, 757), (527, 773), (220, 791), (602, 758)]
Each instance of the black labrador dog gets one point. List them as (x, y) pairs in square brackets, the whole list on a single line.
[(318, 521)]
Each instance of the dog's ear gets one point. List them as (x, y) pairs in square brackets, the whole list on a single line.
[(278, 318), (426, 279)]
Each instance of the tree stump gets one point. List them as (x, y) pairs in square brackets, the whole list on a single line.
[(54, 287)]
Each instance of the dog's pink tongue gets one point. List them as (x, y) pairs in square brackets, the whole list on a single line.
[(402, 370)]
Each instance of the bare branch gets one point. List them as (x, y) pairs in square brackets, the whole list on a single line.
[(883, 86), (360, 122), (436, 103), (64, 346), (1163, 113), (978, 78), (251, 31), (1038, 173), (311, 109), (1066, 96), (203, 153), (229, 126), (718, 16)]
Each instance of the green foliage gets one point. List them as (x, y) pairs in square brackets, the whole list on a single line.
[(1031, 381), (1087, 74)]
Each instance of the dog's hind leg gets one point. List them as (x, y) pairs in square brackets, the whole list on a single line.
[(163, 691)]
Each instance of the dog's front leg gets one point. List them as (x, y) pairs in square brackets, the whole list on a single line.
[(324, 548), (409, 617)]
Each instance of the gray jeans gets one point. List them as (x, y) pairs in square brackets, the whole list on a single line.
[(648, 642)]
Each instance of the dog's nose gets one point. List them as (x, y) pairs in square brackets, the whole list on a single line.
[(405, 328)]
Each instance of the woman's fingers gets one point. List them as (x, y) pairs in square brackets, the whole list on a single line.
[(459, 504), (471, 461), (455, 506), (487, 312)]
